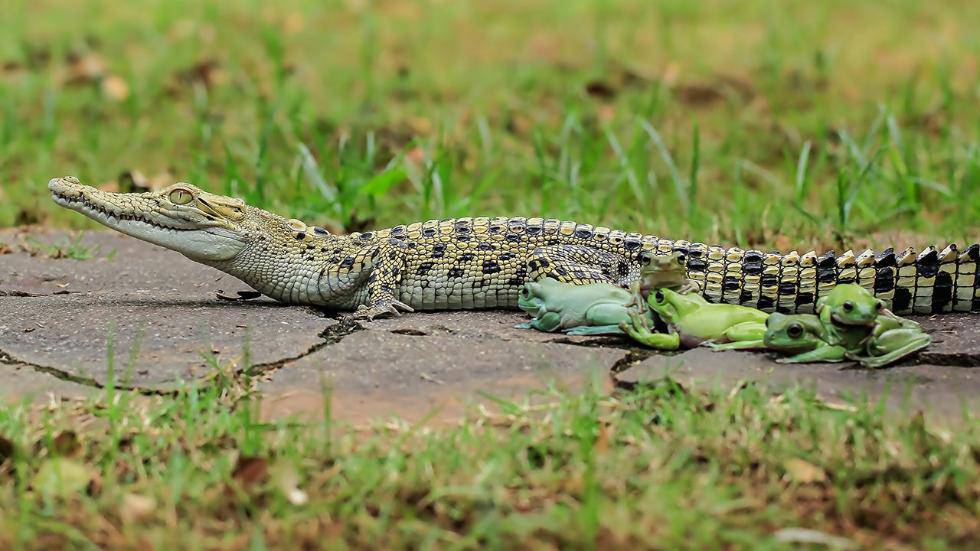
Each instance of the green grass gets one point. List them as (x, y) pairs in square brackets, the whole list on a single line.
[(770, 124), (759, 123), (653, 467)]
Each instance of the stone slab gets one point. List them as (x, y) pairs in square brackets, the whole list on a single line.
[(155, 341), (481, 324), (955, 339), (376, 374), (19, 382), (158, 309), (118, 262), (945, 391), (57, 313)]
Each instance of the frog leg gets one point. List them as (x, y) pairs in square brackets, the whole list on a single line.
[(826, 353), (823, 312), (741, 336), (912, 346), (594, 330), (603, 319), (548, 322), (638, 328), (747, 331), (736, 345)]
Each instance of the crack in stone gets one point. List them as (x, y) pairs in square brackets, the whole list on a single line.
[(601, 342), (16, 293), (632, 357), (7, 359), (330, 336), (410, 332), (949, 360)]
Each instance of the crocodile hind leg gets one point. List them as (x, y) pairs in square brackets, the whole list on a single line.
[(579, 265)]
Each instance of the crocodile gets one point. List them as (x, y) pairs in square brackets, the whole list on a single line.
[(469, 263)]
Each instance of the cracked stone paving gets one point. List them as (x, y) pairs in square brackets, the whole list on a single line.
[(154, 320)]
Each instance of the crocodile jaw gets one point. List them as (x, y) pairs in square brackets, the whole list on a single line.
[(142, 216)]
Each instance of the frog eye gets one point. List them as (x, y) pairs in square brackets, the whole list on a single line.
[(180, 197), (848, 306), (658, 296), (794, 331), (525, 293), (880, 305)]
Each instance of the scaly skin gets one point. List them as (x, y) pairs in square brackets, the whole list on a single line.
[(483, 262), (591, 309), (692, 320)]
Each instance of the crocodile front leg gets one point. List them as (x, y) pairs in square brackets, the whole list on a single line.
[(387, 264)]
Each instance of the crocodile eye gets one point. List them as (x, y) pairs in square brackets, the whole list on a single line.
[(848, 306), (180, 197), (794, 331)]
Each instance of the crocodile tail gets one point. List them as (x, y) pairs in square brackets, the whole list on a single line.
[(925, 282)]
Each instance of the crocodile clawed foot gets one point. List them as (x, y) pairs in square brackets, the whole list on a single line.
[(381, 310)]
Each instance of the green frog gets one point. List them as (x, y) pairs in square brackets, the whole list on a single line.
[(666, 271), (809, 339), (848, 306), (691, 321), (892, 339), (593, 309)]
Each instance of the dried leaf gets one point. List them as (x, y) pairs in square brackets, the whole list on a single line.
[(241, 295), (115, 88), (111, 186), (420, 125), (62, 477), (66, 443), (11, 67), (299, 404), (136, 508), (87, 67), (804, 472), (134, 181), (606, 113), (416, 156), (288, 482), (783, 243), (699, 94), (250, 470), (6, 449), (814, 537), (600, 89), (160, 181), (206, 72)]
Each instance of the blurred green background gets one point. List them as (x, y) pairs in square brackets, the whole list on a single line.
[(760, 123)]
